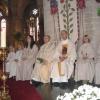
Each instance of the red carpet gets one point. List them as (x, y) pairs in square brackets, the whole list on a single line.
[(22, 90)]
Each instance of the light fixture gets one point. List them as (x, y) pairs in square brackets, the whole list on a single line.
[(35, 11)]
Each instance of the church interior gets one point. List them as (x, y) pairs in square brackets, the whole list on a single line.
[(48, 24)]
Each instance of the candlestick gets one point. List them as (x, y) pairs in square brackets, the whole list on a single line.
[(4, 95)]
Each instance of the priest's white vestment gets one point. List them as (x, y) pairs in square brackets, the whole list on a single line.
[(41, 71), (62, 71)]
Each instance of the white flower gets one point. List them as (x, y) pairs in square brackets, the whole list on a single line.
[(84, 92)]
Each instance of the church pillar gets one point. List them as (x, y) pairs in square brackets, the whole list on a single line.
[(64, 19), (18, 27), (50, 22), (90, 22), (67, 11)]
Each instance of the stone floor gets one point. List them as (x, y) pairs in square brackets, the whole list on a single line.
[(50, 92)]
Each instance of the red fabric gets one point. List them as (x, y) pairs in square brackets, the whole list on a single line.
[(54, 6), (22, 90), (62, 1), (81, 4), (54, 10)]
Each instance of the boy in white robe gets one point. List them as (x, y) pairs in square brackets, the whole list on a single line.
[(63, 60), (85, 63), (11, 63)]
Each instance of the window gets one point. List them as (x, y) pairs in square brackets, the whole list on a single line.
[(2, 30), (33, 24)]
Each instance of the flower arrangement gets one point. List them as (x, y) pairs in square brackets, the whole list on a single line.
[(84, 92)]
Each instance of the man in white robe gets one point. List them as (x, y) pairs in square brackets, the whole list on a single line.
[(63, 60), (85, 64), (41, 71)]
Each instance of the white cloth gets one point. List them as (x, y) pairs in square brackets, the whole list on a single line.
[(20, 64), (97, 67), (30, 58), (11, 64), (41, 71), (67, 66), (85, 67)]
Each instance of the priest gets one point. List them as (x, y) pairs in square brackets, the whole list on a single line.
[(41, 71), (63, 60)]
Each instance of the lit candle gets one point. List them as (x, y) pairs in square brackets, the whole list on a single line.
[(3, 39), (3, 33)]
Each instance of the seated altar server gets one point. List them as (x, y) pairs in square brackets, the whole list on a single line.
[(11, 63), (63, 60), (41, 71), (85, 63)]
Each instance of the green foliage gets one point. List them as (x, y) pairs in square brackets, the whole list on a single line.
[(98, 11), (67, 13)]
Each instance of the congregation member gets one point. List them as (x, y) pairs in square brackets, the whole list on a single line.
[(63, 60), (85, 63), (11, 63), (41, 71)]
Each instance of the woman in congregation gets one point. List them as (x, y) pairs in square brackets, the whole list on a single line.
[(85, 63), (10, 62), (41, 71), (30, 53)]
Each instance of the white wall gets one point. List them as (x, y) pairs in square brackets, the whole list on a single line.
[(91, 22)]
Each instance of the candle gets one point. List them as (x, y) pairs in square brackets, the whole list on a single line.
[(3, 33), (3, 39)]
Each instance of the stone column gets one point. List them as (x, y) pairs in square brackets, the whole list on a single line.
[(68, 18), (91, 22), (50, 22), (53, 24)]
